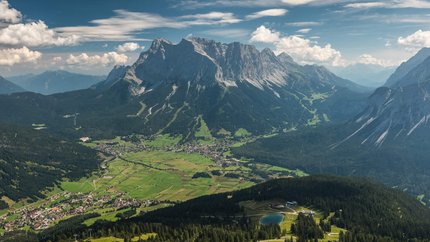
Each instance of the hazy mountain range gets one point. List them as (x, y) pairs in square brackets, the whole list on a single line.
[(369, 75), (51, 82)]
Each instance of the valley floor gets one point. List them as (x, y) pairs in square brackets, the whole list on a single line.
[(140, 174)]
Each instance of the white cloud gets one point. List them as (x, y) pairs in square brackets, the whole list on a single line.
[(106, 59), (299, 2), (125, 24), (8, 14), (33, 34), (265, 35), (411, 4), (303, 31), (274, 12), (301, 49), (210, 18), (120, 27), (10, 57), (368, 59), (365, 5), (129, 47), (418, 39)]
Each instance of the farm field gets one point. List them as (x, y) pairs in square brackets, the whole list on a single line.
[(159, 175)]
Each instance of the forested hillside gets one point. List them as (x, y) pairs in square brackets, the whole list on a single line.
[(366, 209), (32, 160)]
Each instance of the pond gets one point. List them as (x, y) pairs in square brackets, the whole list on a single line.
[(272, 218)]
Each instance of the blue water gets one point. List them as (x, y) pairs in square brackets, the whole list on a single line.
[(272, 218)]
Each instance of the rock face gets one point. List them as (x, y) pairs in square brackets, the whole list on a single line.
[(7, 87), (406, 67), (401, 111)]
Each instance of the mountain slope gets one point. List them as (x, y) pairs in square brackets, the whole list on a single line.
[(407, 66), (31, 161), (50, 82), (7, 87), (356, 204), (419, 74)]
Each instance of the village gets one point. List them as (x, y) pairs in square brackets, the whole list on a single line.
[(65, 205), (214, 150)]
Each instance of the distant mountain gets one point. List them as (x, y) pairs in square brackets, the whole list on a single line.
[(51, 82), (7, 87), (354, 204), (408, 66), (177, 88), (364, 74)]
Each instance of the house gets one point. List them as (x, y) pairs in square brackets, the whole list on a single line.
[(291, 204), (85, 139)]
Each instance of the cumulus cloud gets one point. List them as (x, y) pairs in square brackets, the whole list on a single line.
[(33, 34), (268, 13), (106, 59), (301, 49), (8, 14), (129, 47), (418, 39), (11, 56)]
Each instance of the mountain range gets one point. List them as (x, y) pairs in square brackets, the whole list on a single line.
[(59, 81), (173, 88), (370, 75)]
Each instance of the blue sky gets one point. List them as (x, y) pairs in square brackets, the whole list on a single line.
[(91, 36)]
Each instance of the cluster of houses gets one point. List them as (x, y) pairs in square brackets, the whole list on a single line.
[(65, 205)]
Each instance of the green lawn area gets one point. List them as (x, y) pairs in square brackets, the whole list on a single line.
[(163, 140)]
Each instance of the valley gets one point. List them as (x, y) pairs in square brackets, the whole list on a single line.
[(140, 174), (211, 121)]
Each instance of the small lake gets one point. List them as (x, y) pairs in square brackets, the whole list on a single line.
[(272, 218)]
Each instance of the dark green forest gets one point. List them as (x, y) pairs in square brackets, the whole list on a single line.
[(32, 160)]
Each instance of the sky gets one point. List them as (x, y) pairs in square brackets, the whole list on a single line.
[(91, 36)]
